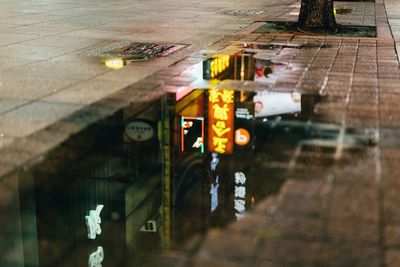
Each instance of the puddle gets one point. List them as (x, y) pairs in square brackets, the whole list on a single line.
[(243, 62), (156, 174), (343, 30)]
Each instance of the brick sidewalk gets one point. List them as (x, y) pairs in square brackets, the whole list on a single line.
[(348, 215), (346, 218)]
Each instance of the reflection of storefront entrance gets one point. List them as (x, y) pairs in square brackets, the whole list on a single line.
[(189, 198), (188, 195), (104, 206), (205, 165)]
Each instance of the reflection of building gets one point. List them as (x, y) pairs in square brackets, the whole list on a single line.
[(245, 65), (98, 207), (206, 177), (158, 172)]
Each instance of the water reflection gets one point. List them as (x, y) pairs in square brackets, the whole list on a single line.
[(156, 174), (157, 177)]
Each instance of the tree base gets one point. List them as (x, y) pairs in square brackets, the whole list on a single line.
[(294, 28), (317, 29)]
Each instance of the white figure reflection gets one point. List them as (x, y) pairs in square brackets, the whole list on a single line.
[(96, 258), (93, 221), (240, 178), (214, 194)]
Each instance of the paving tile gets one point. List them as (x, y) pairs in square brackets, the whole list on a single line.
[(60, 41), (85, 93), (236, 247), (305, 228), (289, 251), (64, 71), (7, 38), (351, 203), (30, 87), (348, 255), (352, 233), (309, 223), (33, 117), (392, 258)]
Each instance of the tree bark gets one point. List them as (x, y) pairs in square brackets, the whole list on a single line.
[(317, 14)]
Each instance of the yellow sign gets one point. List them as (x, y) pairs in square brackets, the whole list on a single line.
[(220, 121), (218, 64)]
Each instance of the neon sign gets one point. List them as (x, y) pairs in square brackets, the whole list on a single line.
[(192, 133), (96, 258), (215, 66), (242, 137), (93, 221), (240, 195), (220, 121)]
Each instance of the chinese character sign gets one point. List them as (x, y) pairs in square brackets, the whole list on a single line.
[(96, 258), (240, 195), (220, 121), (93, 221), (216, 66)]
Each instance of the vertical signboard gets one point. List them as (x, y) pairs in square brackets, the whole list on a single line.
[(239, 204), (244, 127), (192, 134), (220, 121), (244, 143)]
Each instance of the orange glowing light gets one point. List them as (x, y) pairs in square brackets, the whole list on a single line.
[(220, 121), (242, 137)]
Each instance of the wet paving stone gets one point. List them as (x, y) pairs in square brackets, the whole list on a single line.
[(322, 113), (348, 255), (392, 257)]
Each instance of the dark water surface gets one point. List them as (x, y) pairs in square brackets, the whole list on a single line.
[(159, 173)]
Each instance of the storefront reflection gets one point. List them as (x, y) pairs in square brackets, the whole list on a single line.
[(154, 175)]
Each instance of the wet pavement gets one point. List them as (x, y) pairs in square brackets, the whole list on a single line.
[(249, 149)]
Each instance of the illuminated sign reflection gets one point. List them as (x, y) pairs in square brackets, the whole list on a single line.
[(192, 134), (240, 195), (93, 221), (216, 66), (96, 258), (221, 120)]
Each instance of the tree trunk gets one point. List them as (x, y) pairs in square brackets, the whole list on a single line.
[(317, 14)]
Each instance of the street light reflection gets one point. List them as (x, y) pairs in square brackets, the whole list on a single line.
[(114, 63)]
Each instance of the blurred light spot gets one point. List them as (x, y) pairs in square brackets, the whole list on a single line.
[(115, 216), (114, 63)]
